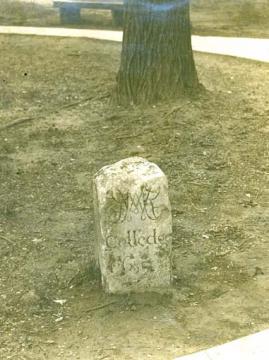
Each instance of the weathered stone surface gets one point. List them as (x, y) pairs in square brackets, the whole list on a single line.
[(134, 226)]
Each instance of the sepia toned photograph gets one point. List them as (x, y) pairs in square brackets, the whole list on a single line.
[(134, 179)]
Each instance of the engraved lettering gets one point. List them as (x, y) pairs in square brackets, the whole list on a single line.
[(129, 264), (136, 238), (111, 242), (152, 239), (141, 240)]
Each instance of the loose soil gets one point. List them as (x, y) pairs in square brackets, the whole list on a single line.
[(57, 128)]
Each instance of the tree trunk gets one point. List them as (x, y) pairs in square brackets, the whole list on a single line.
[(156, 60)]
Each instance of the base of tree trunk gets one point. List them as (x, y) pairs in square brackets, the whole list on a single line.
[(157, 59)]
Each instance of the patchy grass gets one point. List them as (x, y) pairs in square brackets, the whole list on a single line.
[(214, 151), (230, 18), (14, 12)]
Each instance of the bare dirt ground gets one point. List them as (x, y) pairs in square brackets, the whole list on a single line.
[(57, 128), (214, 150)]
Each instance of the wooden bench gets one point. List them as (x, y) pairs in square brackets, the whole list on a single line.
[(70, 9)]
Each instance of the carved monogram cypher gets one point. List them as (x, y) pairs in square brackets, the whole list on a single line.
[(123, 205)]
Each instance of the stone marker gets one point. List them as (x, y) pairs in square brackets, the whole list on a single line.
[(134, 226)]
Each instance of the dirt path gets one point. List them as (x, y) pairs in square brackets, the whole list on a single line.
[(254, 49)]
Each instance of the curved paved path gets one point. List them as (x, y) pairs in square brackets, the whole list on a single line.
[(249, 48), (252, 347)]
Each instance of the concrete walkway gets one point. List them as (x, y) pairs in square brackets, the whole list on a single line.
[(249, 48), (63, 32), (252, 347)]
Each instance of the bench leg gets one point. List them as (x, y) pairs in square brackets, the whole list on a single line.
[(70, 14), (117, 17)]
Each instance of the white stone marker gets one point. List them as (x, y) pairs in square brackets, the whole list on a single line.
[(134, 226)]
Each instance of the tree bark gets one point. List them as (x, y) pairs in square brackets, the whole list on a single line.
[(156, 60)]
